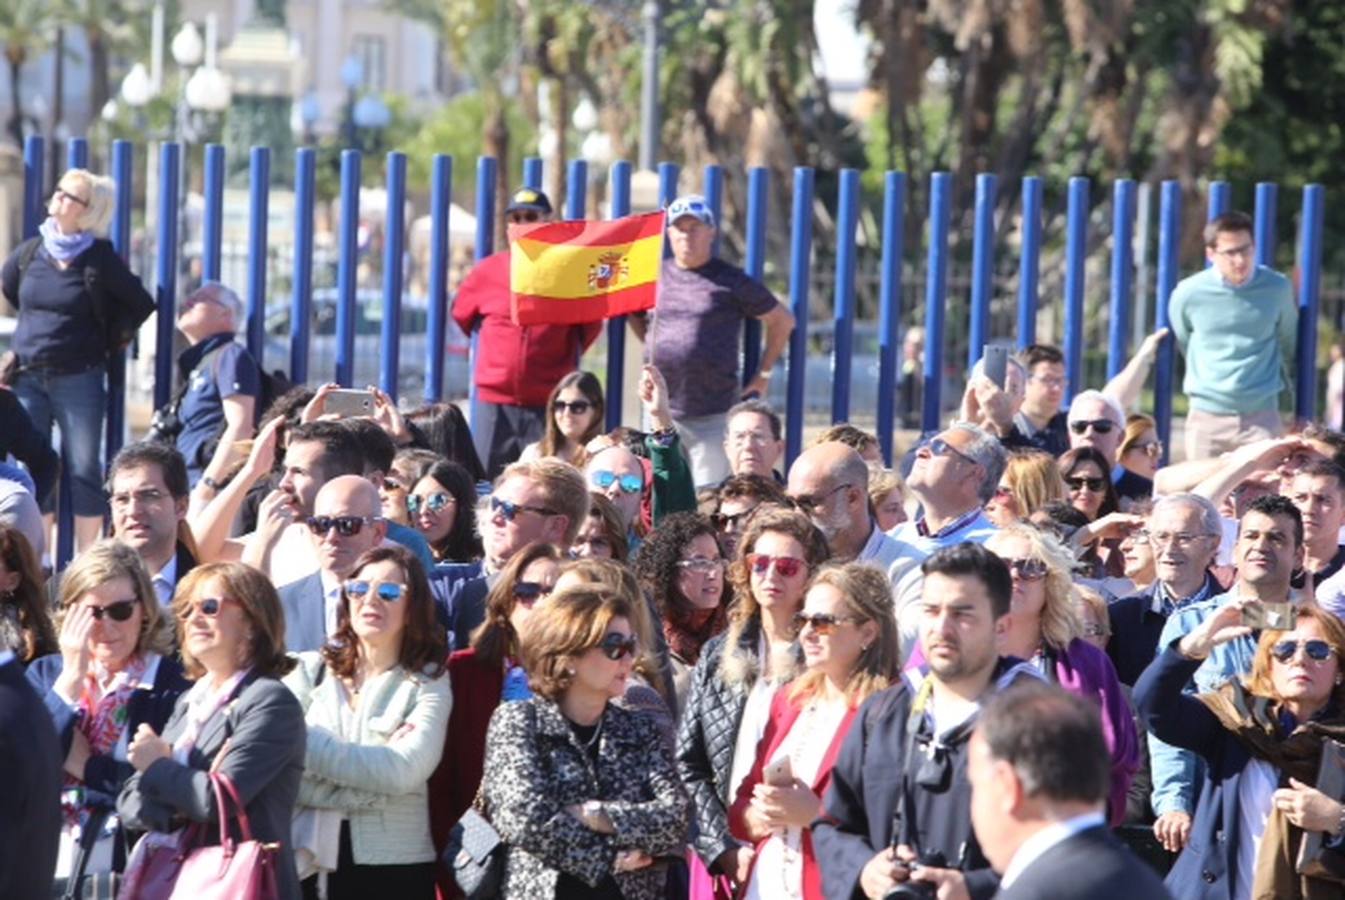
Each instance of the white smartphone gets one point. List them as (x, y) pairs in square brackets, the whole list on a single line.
[(779, 773), (345, 403)]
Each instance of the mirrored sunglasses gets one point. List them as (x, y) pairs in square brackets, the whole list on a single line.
[(630, 484), (509, 510), (786, 566), (1317, 650), (432, 502), (387, 591)]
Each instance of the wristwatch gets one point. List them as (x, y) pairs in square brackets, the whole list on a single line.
[(592, 814), (211, 483)]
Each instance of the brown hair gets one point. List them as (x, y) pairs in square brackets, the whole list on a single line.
[(495, 639), (845, 433), (424, 644), (570, 623), (883, 482), (587, 384), (106, 561), (868, 596), (605, 511), (1136, 425), (1259, 681), (620, 578), (39, 637), (1034, 480), (254, 592)]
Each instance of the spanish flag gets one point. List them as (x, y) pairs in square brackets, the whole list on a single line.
[(567, 273)]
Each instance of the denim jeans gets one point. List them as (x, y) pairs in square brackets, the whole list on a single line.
[(76, 403)]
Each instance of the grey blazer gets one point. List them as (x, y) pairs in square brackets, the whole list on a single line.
[(264, 725), (305, 606)]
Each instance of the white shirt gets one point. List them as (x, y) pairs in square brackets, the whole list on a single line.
[(1037, 846), (331, 592), (752, 724), (1255, 789), (901, 561), (165, 580)]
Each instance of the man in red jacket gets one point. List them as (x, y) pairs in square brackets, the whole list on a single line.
[(516, 366)]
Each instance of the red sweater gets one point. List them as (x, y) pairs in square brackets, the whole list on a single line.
[(515, 365), (784, 712)]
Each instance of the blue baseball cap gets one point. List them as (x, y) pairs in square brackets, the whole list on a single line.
[(693, 205)]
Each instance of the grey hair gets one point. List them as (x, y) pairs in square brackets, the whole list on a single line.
[(989, 454), (1210, 520), (227, 298), (1117, 413), (102, 198)]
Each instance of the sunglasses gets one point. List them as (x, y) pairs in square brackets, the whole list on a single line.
[(630, 484), (615, 646), (725, 521), (578, 407), (807, 502), (387, 591), (1027, 569), (1078, 483), (206, 606), (822, 623), (702, 566), (432, 502), (1150, 448), (62, 192), (1317, 650), (940, 447), (117, 612), (346, 526), (529, 592), (787, 566), (1101, 426), (510, 510)]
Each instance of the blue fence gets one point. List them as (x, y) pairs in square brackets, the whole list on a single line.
[(893, 230)]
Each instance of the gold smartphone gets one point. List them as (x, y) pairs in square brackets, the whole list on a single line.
[(1270, 616)]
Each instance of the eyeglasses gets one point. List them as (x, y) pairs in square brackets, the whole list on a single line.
[(806, 502), (62, 192), (346, 526), (703, 565), (1051, 381), (1101, 426), (510, 510), (1235, 252), (432, 502), (1176, 538), (615, 646), (206, 606), (526, 215), (822, 623), (1317, 650), (387, 591), (786, 566), (739, 438), (1092, 629), (578, 407), (529, 592), (1028, 569), (604, 478), (147, 497), (117, 612), (1150, 448), (1079, 483), (940, 447), (729, 521)]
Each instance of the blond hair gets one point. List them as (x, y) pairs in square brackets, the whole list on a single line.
[(107, 561), (883, 482), (100, 194), (562, 485), (1034, 480), (1060, 622), (1261, 683)]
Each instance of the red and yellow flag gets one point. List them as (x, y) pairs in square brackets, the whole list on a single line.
[(566, 273)]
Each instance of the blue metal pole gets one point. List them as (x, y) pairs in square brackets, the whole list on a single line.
[(713, 189), (1219, 199), (301, 300), (982, 266), (484, 246), (1122, 275), (441, 204), (1076, 253), (212, 232), (346, 265), (1029, 262), (847, 220), (616, 326), (170, 161), (1169, 243), (532, 173), (34, 187), (77, 153), (123, 153), (800, 274), (668, 173), (393, 248), (576, 189), (1309, 282), (1266, 202), (889, 306), (936, 296), (758, 183), (259, 174)]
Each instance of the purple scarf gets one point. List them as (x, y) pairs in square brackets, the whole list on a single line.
[(63, 247)]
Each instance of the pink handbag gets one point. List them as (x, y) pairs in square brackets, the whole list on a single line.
[(229, 870)]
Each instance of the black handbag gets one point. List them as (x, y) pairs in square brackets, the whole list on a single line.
[(475, 855)]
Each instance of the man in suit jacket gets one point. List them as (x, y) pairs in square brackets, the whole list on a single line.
[(1040, 771), (148, 488), (348, 503), (30, 788)]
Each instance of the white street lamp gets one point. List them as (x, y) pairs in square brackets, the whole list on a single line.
[(136, 87), (187, 48), (208, 90)]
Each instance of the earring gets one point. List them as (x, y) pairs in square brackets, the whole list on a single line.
[(569, 673)]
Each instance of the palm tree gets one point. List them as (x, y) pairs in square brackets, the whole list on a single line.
[(25, 31), (108, 27)]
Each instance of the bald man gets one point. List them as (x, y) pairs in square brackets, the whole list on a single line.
[(830, 484), (617, 473), (347, 521)]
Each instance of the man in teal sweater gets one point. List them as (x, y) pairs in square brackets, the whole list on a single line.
[(1235, 323)]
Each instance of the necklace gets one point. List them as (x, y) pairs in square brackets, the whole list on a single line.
[(588, 745)]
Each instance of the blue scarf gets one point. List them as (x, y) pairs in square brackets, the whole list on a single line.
[(63, 247)]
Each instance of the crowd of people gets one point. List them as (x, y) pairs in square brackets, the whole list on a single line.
[(1027, 661)]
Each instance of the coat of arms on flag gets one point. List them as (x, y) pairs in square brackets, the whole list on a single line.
[(608, 272)]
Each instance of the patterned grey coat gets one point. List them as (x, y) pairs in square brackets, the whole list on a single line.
[(535, 767)]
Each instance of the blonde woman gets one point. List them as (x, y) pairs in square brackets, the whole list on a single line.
[(887, 493), (1030, 481), (77, 302)]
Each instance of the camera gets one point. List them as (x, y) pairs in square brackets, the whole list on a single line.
[(165, 426), (919, 890)]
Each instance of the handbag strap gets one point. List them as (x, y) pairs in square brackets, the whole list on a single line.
[(225, 794)]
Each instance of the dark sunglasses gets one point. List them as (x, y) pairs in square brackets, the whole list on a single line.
[(787, 566), (808, 502), (433, 502), (509, 510), (822, 623), (117, 612), (207, 606), (1028, 569), (346, 526), (529, 592), (1078, 483), (940, 447), (614, 646), (1101, 426), (1318, 650), (724, 521), (387, 591), (578, 407), (630, 484)]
